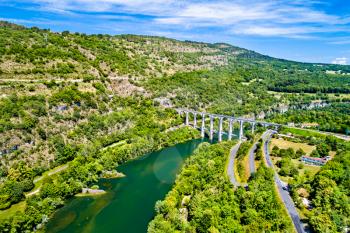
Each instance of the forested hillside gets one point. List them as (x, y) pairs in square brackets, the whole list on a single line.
[(331, 118), (67, 98)]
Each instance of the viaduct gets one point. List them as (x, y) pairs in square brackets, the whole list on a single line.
[(221, 119)]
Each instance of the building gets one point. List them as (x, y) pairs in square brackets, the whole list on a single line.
[(315, 161)]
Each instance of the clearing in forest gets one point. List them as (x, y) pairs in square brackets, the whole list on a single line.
[(284, 144)]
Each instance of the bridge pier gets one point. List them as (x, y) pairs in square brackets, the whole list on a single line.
[(203, 125), (230, 129), (211, 127), (220, 129), (221, 118), (195, 120), (187, 120), (240, 130)]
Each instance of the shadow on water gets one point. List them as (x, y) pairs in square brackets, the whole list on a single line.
[(128, 205)]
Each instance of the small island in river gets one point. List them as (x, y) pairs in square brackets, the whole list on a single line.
[(90, 192), (112, 174)]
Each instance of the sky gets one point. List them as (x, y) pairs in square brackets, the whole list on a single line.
[(300, 30)]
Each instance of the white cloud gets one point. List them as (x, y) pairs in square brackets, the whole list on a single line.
[(130, 6), (36, 21), (282, 30), (285, 18), (225, 12), (249, 17), (340, 61), (270, 31)]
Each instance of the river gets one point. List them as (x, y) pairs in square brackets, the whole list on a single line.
[(128, 205)]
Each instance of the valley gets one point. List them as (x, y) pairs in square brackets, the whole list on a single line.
[(76, 109)]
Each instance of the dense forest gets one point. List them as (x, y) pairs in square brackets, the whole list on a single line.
[(88, 103), (331, 118)]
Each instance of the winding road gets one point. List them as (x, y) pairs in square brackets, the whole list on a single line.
[(231, 165), (284, 194), (252, 168)]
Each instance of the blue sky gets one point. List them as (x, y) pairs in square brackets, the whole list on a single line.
[(309, 30)]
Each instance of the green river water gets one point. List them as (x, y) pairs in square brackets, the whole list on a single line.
[(128, 205)]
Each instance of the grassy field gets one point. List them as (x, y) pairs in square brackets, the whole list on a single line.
[(302, 132), (284, 144), (5, 214), (235, 170), (314, 133), (245, 163)]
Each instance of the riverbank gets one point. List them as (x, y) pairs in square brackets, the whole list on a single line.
[(147, 179), (85, 170)]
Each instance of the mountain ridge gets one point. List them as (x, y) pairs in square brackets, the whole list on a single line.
[(215, 44)]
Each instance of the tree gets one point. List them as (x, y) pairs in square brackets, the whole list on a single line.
[(323, 149), (299, 153)]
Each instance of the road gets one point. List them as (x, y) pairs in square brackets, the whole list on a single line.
[(284, 194), (54, 171), (252, 158), (33, 192), (230, 167)]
